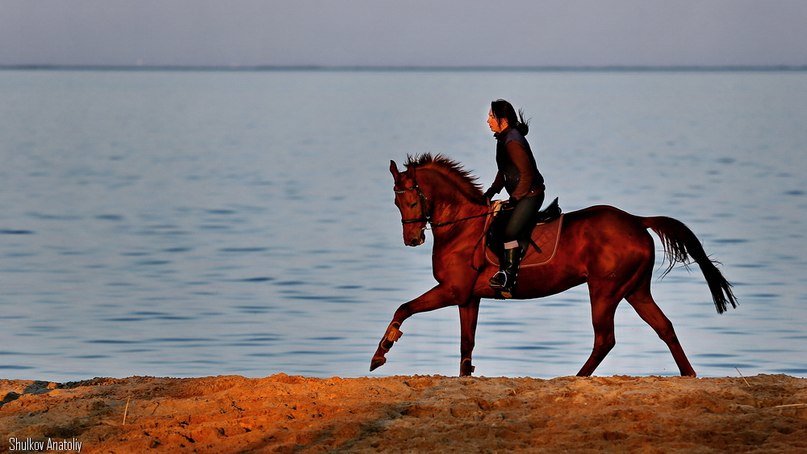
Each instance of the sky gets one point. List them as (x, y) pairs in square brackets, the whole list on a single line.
[(404, 32)]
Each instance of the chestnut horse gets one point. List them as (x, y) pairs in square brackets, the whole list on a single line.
[(607, 248)]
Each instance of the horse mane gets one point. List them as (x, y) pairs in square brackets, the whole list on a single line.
[(459, 176)]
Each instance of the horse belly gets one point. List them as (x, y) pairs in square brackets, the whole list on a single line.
[(555, 276)]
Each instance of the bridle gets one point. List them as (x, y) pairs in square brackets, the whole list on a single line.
[(425, 215)]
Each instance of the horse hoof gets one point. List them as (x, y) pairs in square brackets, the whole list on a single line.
[(377, 362), (466, 369)]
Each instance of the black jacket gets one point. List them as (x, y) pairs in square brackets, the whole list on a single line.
[(518, 172)]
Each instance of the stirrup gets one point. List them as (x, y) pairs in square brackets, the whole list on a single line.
[(507, 285), (497, 277)]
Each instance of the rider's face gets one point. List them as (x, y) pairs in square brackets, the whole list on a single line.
[(496, 125)]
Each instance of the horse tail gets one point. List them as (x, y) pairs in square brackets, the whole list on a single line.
[(682, 246)]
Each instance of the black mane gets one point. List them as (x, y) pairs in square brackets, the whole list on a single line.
[(462, 178)]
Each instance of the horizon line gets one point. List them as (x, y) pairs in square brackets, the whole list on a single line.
[(413, 68)]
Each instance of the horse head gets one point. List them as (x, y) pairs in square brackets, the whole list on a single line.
[(413, 204)]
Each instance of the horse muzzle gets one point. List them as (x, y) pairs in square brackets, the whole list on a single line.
[(415, 241)]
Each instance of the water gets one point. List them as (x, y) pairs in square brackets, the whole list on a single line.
[(200, 223)]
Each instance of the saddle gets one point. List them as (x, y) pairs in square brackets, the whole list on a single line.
[(539, 245)]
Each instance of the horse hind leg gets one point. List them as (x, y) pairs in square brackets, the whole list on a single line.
[(648, 310)]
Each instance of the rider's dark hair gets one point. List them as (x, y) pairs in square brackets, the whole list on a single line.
[(504, 110)]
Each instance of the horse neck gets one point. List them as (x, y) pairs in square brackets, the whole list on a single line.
[(450, 203), (445, 194)]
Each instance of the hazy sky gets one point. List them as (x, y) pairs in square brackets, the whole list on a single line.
[(404, 32)]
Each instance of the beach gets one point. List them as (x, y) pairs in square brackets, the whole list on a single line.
[(282, 413)]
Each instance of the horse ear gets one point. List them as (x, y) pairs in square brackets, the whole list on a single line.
[(393, 168)]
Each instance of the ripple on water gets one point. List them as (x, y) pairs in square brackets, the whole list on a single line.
[(289, 283), (712, 355), (123, 319), (110, 217), (221, 212), (253, 309), (177, 250), (324, 298), (526, 347), (266, 355), (110, 342), (730, 240), (242, 250), (797, 371), (255, 279), (16, 232), (53, 217), (327, 338), (728, 365), (495, 323), (14, 367), (180, 340), (153, 262)]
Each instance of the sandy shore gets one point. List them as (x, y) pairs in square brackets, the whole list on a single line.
[(413, 413)]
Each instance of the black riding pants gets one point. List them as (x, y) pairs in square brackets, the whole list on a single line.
[(523, 219)]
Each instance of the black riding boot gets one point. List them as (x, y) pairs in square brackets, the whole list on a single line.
[(505, 279)]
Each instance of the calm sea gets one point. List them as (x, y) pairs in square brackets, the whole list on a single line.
[(201, 223)]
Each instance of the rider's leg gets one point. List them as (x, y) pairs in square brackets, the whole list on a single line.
[(520, 223)]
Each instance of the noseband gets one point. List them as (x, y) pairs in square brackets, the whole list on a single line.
[(425, 216)]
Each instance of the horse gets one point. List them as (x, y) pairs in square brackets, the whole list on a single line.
[(607, 248)]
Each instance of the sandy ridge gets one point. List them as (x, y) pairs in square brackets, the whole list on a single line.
[(281, 413)]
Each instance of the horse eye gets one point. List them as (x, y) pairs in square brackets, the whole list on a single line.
[(413, 204)]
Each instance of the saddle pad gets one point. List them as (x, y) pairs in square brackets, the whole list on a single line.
[(546, 236)]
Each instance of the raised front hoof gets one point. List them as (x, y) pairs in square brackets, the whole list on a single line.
[(377, 362)]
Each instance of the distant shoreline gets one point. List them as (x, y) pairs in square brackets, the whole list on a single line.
[(315, 68)]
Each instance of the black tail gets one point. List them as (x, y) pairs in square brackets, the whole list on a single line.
[(682, 246)]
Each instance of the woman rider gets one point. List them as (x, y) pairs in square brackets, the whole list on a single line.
[(519, 175)]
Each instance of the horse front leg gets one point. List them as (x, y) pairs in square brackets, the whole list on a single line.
[(438, 297), (469, 314)]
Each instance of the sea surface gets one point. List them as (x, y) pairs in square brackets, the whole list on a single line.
[(201, 223)]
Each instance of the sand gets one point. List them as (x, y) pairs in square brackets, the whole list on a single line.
[(764, 413)]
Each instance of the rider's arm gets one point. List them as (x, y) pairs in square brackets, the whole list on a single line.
[(520, 158), (496, 187)]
